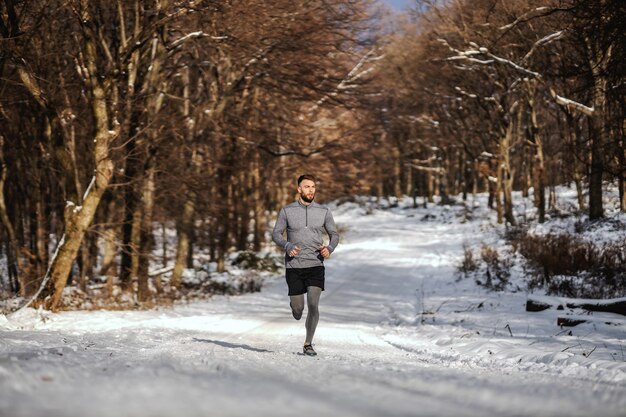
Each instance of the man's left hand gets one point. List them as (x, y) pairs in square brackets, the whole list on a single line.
[(324, 252)]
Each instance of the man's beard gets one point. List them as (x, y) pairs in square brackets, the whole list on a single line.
[(307, 199)]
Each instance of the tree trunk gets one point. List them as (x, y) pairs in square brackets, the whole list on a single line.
[(409, 186), (78, 218), (598, 60), (578, 181), (475, 179), (128, 250), (132, 172), (504, 176), (464, 179), (552, 198), (84, 262), (42, 239), (130, 234), (212, 230), (596, 210), (13, 246), (183, 230), (109, 264), (55, 137), (498, 193), (539, 165), (397, 173), (622, 193), (573, 130), (226, 222), (258, 207), (192, 242), (163, 244), (146, 238), (430, 186), (619, 134), (444, 187), (184, 225), (525, 177), (493, 190), (242, 211), (152, 87)]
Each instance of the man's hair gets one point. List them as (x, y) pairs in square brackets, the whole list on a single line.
[(306, 177)]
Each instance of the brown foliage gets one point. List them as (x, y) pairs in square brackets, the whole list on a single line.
[(566, 265), (213, 108)]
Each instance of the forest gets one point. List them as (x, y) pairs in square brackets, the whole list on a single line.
[(124, 121)]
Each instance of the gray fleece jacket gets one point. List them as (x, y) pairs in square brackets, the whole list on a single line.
[(305, 225)]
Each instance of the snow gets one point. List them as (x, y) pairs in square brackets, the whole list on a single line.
[(573, 104), (400, 334)]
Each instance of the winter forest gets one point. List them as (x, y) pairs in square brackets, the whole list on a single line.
[(123, 120), (146, 148)]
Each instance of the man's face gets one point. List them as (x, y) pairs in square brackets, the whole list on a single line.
[(307, 191)]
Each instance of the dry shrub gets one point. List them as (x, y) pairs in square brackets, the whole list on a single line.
[(468, 264), (568, 266), (497, 269), (253, 261), (490, 270)]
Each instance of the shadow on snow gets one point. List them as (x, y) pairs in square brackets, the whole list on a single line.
[(231, 345)]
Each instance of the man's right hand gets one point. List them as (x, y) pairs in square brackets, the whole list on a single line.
[(294, 251)]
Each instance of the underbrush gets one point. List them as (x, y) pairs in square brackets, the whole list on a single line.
[(487, 267), (98, 297), (252, 260), (562, 264), (246, 274), (567, 265)]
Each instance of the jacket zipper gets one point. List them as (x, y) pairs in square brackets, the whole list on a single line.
[(306, 217)]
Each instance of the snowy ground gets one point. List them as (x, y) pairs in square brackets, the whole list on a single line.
[(399, 335)]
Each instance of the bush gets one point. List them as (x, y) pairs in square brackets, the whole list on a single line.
[(468, 264), (490, 270), (251, 260), (565, 265), (222, 284)]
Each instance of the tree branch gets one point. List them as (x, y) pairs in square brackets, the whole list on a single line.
[(571, 104), (543, 41), (468, 55), (352, 76), (534, 14), (273, 152)]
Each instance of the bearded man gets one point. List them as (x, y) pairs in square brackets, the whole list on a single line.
[(305, 222)]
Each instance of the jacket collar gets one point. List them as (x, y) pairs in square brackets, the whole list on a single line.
[(311, 204)]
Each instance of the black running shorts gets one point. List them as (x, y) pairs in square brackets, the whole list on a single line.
[(298, 279)]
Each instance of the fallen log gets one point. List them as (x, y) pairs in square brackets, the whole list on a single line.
[(575, 320), (568, 322), (607, 306), (534, 305), (615, 306)]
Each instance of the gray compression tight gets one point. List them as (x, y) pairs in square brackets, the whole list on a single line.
[(313, 314)]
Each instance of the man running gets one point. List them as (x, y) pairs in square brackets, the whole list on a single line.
[(305, 221)]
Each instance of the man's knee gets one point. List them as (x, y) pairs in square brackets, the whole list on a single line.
[(297, 314), (313, 311), (297, 311), (313, 298)]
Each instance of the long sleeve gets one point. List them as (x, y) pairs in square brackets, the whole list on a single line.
[(279, 230), (331, 229)]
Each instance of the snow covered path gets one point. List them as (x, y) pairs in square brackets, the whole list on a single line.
[(398, 336)]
